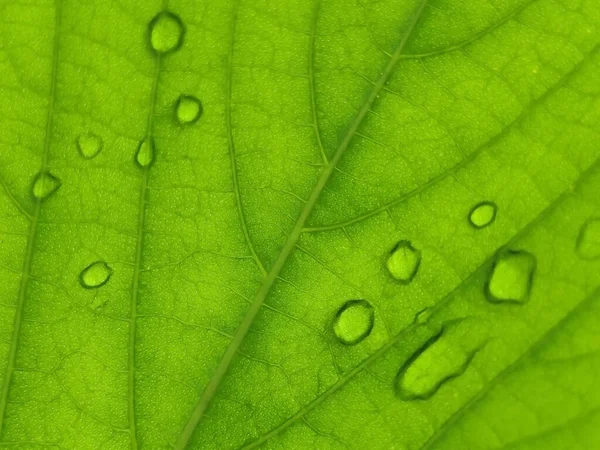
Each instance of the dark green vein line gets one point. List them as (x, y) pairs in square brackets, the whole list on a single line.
[(563, 81), (31, 240), (406, 331), (292, 239), (311, 81), (14, 200)]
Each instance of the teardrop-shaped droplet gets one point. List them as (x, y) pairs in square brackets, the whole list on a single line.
[(144, 155), (89, 145), (403, 262), (354, 321), (95, 275), (166, 32), (588, 241), (511, 277), (44, 185), (483, 214), (188, 109)]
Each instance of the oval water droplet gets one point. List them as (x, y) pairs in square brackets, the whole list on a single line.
[(95, 275), (511, 277), (89, 145), (483, 214), (588, 241), (354, 321), (423, 316), (166, 32), (403, 262), (44, 185), (144, 155), (188, 109)]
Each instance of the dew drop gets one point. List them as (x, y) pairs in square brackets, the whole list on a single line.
[(44, 185), (95, 275), (354, 321), (89, 145), (511, 277), (483, 214), (588, 241), (188, 109), (423, 316), (403, 262), (144, 155), (166, 32)]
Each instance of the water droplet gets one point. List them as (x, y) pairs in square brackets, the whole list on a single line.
[(511, 277), (144, 155), (44, 185), (188, 109), (166, 32), (89, 145), (423, 316), (483, 214), (354, 321), (588, 241), (403, 262), (95, 275)]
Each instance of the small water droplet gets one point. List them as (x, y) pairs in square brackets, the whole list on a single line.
[(89, 145), (354, 321), (403, 262), (144, 155), (95, 275), (511, 277), (423, 316), (188, 109), (588, 241), (166, 32), (483, 214), (44, 185)]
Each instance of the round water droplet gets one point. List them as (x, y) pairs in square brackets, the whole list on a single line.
[(44, 185), (144, 155), (403, 262), (483, 214), (511, 277), (354, 321), (89, 145), (166, 32), (95, 275), (188, 109), (588, 241)]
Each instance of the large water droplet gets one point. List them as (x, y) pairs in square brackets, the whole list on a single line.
[(483, 214), (511, 277), (95, 275), (89, 145), (144, 155), (403, 262), (188, 109), (166, 32), (354, 321), (588, 241), (44, 185)]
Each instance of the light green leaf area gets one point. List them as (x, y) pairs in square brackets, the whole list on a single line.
[(297, 224)]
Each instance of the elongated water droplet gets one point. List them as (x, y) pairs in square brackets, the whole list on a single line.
[(166, 32), (403, 262), (144, 155), (44, 185), (483, 214), (354, 321), (95, 275), (89, 145), (188, 109), (423, 316), (588, 241), (511, 277)]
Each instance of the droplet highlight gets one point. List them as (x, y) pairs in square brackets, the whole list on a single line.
[(354, 321), (188, 109), (511, 277), (44, 185), (144, 155), (89, 145), (403, 262), (483, 214), (588, 241), (95, 275), (166, 32)]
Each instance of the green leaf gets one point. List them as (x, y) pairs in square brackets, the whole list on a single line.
[(300, 224)]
